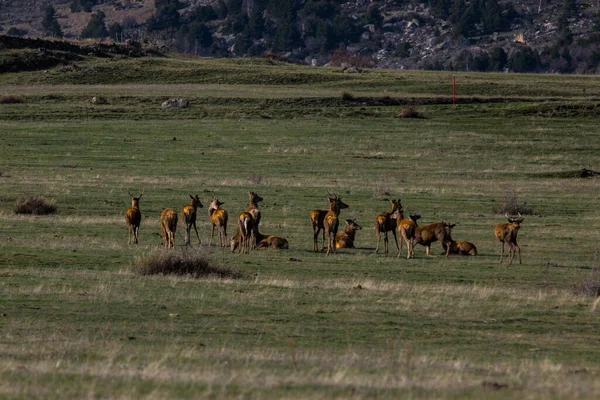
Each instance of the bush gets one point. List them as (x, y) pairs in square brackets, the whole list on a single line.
[(510, 205), (168, 263), (347, 96), (11, 100), (35, 205)]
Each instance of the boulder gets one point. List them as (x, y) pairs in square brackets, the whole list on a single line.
[(178, 102)]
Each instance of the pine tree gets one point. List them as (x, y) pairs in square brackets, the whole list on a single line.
[(96, 28), (50, 23)]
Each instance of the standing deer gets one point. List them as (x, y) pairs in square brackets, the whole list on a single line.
[(384, 222), (316, 220), (331, 222), (427, 234), (460, 247), (506, 232), (133, 217), (246, 230), (218, 218), (188, 214), (168, 226), (254, 211), (345, 239), (407, 229)]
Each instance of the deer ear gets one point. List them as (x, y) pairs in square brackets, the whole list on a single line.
[(349, 221), (192, 197)]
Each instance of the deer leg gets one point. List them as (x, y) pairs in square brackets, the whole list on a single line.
[(198, 236), (315, 238), (519, 248), (400, 249), (135, 233), (385, 243), (411, 249), (224, 228), (212, 233), (427, 250), (378, 239), (395, 239), (448, 243), (501, 252)]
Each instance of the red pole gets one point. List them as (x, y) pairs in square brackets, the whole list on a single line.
[(453, 89)]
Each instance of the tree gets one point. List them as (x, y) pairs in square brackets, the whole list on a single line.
[(50, 23), (498, 59), (96, 28), (525, 60), (373, 16), (114, 31)]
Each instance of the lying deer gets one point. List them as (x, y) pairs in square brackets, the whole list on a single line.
[(345, 239), (506, 232), (385, 222), (460, 247), (188, 215), (133, 217)]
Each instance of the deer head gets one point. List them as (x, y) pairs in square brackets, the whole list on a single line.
[(196, 202)]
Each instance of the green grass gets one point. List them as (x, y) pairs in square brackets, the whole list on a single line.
[(76, 320)]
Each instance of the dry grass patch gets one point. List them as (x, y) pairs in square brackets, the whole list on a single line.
[(410, 112), (36, 205), (11, 100), (194, 265)]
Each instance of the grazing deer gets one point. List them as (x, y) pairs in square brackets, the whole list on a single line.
[(427, 234), (133, 217), (188, 214), (460, 247), (384, 222), (168, 226), (345, 240), (407, 229), (506, 232), (218, 218), (316, 220), (275, 242), (246, 231), (331, 222), (254, 211)]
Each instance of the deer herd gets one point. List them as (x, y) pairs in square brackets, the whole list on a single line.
[(248, 235)]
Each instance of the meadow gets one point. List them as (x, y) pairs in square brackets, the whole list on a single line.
[(77, 321)]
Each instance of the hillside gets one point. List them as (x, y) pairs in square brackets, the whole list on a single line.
[(480, 35)]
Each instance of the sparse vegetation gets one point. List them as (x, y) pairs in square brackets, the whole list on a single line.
[(410, 112), (11, 100), (510, 204), (196, 265), (36, 205)]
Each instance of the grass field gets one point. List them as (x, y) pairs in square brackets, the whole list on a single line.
[(76, 321)]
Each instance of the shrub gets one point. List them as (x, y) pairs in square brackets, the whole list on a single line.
[(168, 263), (509, 204), (347, 96), (410, 112), (36, 205), (10, 100)]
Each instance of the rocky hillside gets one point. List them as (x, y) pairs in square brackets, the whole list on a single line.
[(485, 35)]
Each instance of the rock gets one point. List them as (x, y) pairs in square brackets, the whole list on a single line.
[(178, 102), (99, 100)]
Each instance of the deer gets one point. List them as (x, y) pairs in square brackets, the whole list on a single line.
[(246, 232), (188, 215), (218, 218), (168, 226), (254, 211), (331, 222), (345, 239), (385, 223), (506, 232), (427, 234), (460, 247), (407, 229), (275, 242), (133, 217), (316, 220)]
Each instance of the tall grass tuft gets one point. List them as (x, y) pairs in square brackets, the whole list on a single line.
[(36, 205), (410, 112), (347, 96), (195, 265)]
